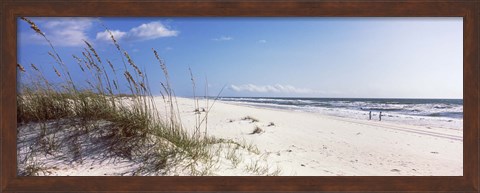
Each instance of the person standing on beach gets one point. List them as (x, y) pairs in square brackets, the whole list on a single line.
[(380, 116), (370, 115)]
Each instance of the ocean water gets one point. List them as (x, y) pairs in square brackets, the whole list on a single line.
[(446, 113)]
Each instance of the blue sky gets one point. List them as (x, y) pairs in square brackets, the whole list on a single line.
[(282, 57)]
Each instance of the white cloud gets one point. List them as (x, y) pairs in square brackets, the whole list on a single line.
[(146, 31), (105, 36), (277, 88), (151, 30), (262, 41), (63, 31), (223, 38)]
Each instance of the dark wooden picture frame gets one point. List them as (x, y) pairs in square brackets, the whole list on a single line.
[(469, 10)]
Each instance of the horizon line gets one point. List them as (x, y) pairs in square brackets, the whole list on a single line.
[(318, 97)]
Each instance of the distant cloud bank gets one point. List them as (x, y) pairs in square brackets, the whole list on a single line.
[(277, 88)]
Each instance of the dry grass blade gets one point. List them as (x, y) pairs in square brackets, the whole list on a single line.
[(34, 67), (115, 84), (111, 65), (56, 72), (20, 67), (33, 26), (130, 61), (93, 51), (129, 77), (162, 63)]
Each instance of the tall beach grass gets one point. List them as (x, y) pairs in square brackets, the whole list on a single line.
[(130, 121)]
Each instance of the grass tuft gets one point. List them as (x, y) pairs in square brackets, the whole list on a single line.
[(257, 130), (249, 118)]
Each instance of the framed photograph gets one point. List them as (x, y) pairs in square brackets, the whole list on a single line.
[(164, 96)]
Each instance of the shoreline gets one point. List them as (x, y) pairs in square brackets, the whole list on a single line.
[(349, 114)]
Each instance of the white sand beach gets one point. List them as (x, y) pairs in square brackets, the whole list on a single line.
[(307, 144), (302, 144)]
